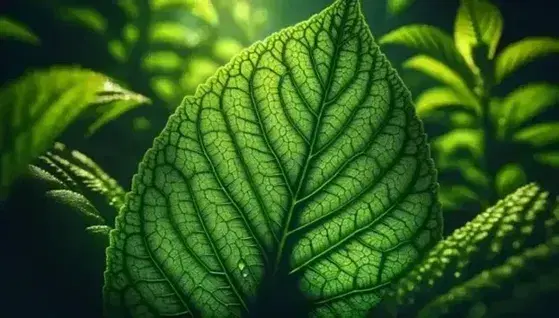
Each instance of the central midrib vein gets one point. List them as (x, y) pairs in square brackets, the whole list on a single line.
[(303, 175)]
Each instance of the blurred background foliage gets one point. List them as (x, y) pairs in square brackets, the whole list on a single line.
[(157, 51)]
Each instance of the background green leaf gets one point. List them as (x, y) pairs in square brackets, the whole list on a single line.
[(478, 22), (520, 53), (11, 29)]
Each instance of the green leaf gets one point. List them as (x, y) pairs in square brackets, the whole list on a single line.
[(431, 41), (175, 33), (86, 17), (35, 109), (513, 226), (539, 135), (11, 29), (440, 72), (396, 7), (509, 178), (478, 23), (523, 52), (77, 202), (443, 98), (301, 160), (163, 61), (550, 158), (524, 103), (454, 144), (112, 102)]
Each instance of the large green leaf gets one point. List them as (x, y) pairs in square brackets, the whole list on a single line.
[(523, 52), (524, 103), (463, 267), (478, 22), (301, 162), (431, 41)]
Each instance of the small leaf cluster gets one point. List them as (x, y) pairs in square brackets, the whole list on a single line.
[(482, 128)]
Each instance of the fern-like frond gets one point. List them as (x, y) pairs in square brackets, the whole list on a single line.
[(514, 226), (75, 165)]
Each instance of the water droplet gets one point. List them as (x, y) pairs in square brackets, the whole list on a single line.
[(241, 265)]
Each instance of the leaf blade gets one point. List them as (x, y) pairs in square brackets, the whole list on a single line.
[(35, 109), (478, 22), (260, 147), (523, 52)]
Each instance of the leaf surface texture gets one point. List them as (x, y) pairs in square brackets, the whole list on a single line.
[(301, 157)]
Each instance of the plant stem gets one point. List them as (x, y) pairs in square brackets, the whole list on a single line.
[(490, 143)]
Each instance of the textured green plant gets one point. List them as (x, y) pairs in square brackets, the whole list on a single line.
[(36, 108), (299, 167), (487, 262), (484, 128), (174, 44), (71, 178)]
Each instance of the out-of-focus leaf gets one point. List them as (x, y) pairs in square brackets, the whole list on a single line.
[(225, 48), (35, 109), (509, 178), (463, 120), (204, 10), (452, 197), (550, 158), (396, 7), (197, 71), (523, 52), (86, 17), (117, 50), (450, 145), (430, 41), (525, 103), (165, 88), (77, 202), (112, 102), (11, 29), (440, 98), (539, 135), (478, 22), (130, 33), (129, 7), (141, 124), (175, 33), (162, 61), (440, 72)]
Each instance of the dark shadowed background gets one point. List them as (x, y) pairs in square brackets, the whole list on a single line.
[(50, 266)]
